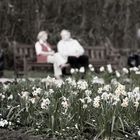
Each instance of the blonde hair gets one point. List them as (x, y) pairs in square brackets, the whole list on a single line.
[(40, 34)]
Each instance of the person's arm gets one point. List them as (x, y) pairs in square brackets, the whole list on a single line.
[(61, 49), (79, 48), (39, 51)]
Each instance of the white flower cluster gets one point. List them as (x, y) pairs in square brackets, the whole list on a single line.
[(139, 133), (47, 80), (88, 92), (96, 102), (58, 83), (120, 90), (107, 88), (85, 101), (117, 94), (10, 97), (117, 74), (105, 96), (36, 91), (125, 71), (125, 102), (81, 70), (134, 69), (74, 92), (50, 81), (51, 91), (114, 82), (97, 80), (82, 84), (102, 69), (45, 103), (71, 82), (6, 87), (3, 123), (24, 95), (91, 68), (32, 100), (48, 92), (2, 96), (65, 103), (114, 99), (134, 96), (109, 68)]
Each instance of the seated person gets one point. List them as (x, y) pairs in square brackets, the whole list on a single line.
[(133, 60), (46, 55), (72, 51)]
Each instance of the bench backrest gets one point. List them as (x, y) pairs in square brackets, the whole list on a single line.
[(98, 55), (24, 50)]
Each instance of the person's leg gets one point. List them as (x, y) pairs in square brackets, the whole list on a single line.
[(57, 69), (73, 61), (83, 61), (59, 60)]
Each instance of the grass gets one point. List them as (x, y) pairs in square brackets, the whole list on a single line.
[(32, 74)]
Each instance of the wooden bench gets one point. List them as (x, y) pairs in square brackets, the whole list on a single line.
[(25, 57), (102, 55)]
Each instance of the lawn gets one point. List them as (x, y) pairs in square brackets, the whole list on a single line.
[(32, 74)]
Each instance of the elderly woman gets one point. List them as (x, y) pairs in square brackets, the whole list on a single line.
[(46, 55)]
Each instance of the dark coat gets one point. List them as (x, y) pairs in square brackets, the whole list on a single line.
[(134, 60)]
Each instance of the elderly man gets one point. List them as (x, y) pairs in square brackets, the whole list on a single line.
[(72, 51)]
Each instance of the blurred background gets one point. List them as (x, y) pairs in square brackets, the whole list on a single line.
[(90, 21)]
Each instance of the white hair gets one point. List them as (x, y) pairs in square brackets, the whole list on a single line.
[(64, 31), (40, 34)]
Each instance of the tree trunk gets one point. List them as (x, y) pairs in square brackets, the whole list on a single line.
[(127, 23)]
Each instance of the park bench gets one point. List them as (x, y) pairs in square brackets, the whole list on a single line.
[(103, 55), (25, 57)]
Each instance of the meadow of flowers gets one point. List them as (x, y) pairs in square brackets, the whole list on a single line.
[(100, 106)]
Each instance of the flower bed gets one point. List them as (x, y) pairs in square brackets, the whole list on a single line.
[(101, 106)]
